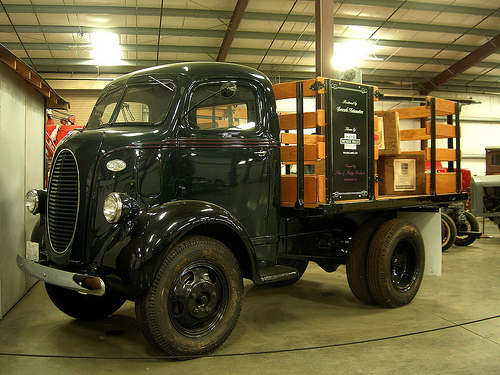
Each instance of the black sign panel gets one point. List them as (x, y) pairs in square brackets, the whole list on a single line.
[(351, 118)]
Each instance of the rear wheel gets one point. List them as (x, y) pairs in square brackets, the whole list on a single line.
[(83, 306), (448, 232), (471, 224), (356, 260), (195, 299), (396, 261)]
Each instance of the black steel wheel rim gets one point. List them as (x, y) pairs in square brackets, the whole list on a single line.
[(465, 227), (403, 266), (198, 299)]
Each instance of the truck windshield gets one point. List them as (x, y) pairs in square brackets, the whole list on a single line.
[(138, 104)]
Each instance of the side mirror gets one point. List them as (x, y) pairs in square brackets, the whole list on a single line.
[(228, 89)]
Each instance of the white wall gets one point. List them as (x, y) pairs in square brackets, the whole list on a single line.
[(480, 125), (21, 162), (82, 102)]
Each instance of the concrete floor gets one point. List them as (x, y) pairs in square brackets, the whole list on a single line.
[(313, 327)]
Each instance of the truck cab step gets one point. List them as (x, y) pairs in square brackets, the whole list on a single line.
[(277, 273)]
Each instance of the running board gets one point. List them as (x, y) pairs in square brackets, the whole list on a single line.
[(277, 273)]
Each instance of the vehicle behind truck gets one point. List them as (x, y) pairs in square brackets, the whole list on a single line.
[(187, 180)]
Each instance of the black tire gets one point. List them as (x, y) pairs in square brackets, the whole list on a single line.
[(396, 260), (448, 232), (195, 299), (357, 255), (473, 225), (299, 264), (83, 306)]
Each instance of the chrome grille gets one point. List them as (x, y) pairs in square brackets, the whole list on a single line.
[(63, 201)]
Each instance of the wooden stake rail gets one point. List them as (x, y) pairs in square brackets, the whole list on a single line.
[(312, 152), (305, 181), (288, 121), (288, 90), (430, 131), (443, 108)]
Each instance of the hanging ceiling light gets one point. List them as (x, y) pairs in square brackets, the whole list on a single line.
[(105, 48), (348, 55)]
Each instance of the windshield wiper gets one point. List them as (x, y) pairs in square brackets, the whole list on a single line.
[(161, 83)]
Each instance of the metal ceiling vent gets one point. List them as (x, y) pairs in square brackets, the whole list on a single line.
[(63, 201)]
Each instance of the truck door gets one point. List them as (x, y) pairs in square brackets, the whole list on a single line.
[(224, 156)]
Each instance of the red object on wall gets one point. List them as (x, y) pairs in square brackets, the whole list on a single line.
[(55, 132)]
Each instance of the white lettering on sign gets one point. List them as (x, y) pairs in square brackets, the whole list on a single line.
[(350, 141), (350, 110)]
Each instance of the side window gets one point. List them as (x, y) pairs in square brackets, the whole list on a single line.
[(216, 112)]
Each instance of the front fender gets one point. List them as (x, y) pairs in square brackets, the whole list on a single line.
[(130, 266)]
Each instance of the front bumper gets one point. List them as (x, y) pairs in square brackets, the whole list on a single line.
[(69, 280)]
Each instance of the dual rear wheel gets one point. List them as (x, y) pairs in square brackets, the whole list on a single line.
[(385, 262)]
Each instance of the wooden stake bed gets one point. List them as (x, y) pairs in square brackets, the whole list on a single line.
[(325, 153)]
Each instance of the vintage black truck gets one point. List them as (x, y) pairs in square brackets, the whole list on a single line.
[(187, 180)]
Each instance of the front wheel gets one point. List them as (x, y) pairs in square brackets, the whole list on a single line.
[(195, 299), (83, 306), (396, 260)]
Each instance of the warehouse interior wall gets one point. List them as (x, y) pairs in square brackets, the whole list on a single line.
[(22, 130), (81, 103), (480, 125)]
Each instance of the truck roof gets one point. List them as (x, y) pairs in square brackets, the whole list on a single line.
[(197, 71)]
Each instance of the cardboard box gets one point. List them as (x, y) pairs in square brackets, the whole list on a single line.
[(389, 138), (402, 174)]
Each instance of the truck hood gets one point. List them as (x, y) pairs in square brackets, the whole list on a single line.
[(93, 151)]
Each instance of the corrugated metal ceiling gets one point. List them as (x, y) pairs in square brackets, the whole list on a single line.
[(413, 41)]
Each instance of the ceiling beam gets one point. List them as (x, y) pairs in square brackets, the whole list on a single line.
[(44, 64), (339, 21), (461, 66), (17, 48), (206, 13), (218, 34), (232, 27)]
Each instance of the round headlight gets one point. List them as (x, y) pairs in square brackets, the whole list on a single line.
[(112, 209), (32, 201)]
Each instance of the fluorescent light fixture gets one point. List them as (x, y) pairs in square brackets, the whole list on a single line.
[(349, 54), (105, 48)]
